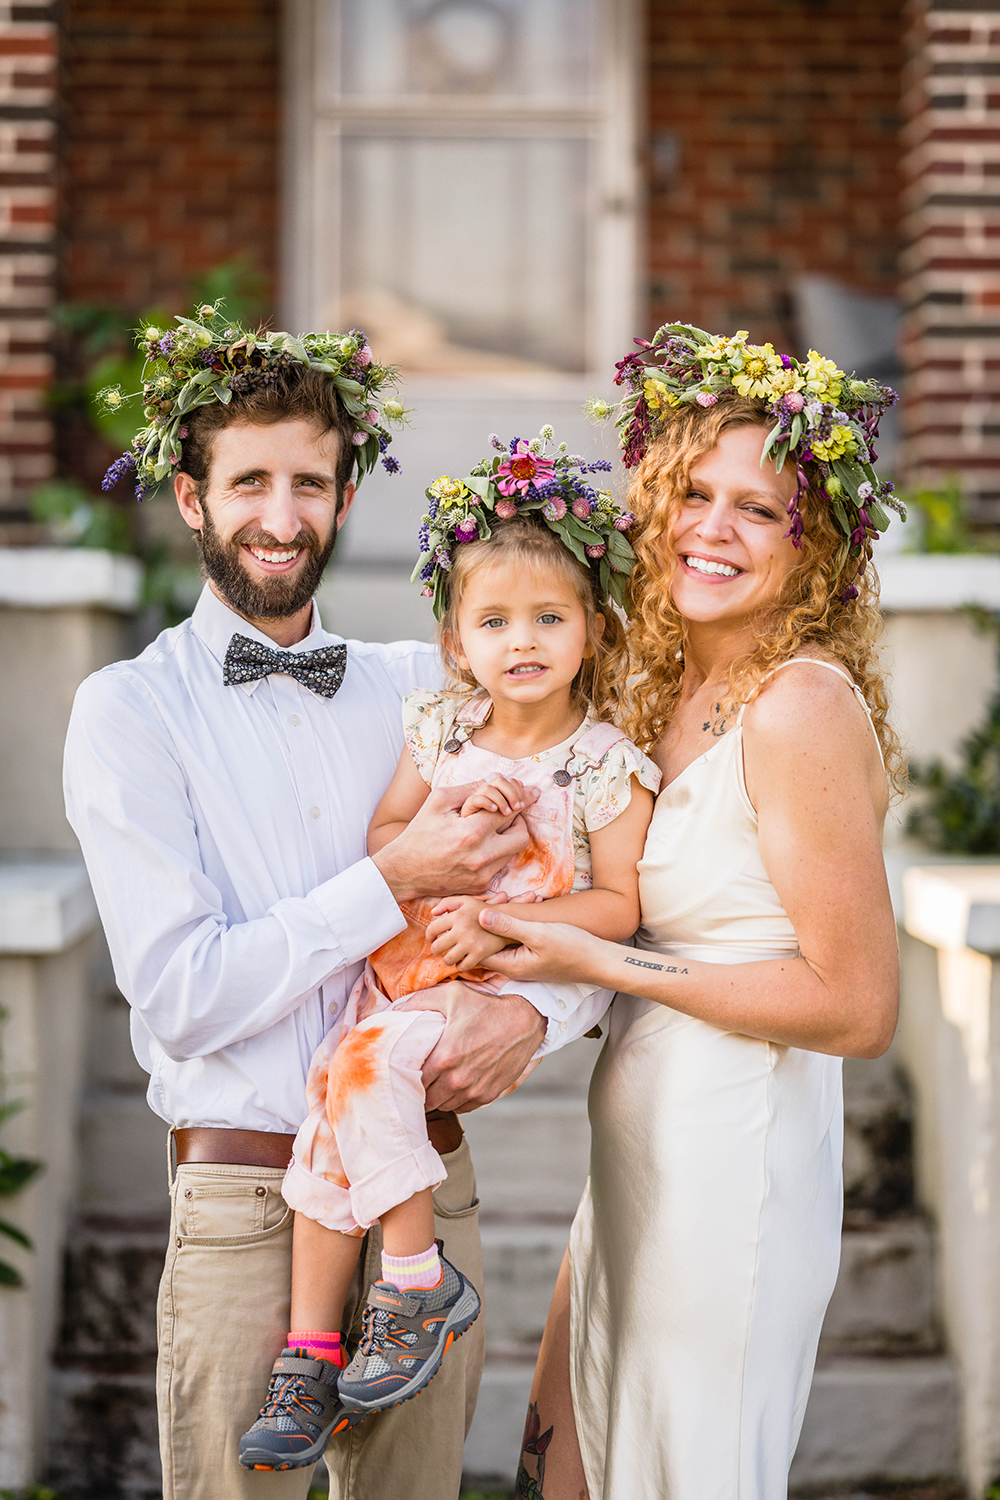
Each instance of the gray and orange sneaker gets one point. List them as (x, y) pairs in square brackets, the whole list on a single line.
[(301, 1413), (406, 1335)]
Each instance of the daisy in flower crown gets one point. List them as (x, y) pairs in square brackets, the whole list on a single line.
[(822, 420)]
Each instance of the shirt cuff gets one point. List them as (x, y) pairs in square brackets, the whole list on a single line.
[(570, 1010), (360, 909)]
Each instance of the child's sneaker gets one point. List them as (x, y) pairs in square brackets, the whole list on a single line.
[(301, 1412), (404, 1340)]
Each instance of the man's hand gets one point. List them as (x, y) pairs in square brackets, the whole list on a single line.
[(440, 850), (484, 1049), (456, 936)]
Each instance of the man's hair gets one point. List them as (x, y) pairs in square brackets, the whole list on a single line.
[(294, 394)]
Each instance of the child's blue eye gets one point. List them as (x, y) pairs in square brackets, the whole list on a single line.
[(549, 619), (493, 623)]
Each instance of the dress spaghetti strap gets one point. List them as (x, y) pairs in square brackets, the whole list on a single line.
[(830, 666)]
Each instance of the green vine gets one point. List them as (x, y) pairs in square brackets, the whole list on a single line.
[(15, 1173)]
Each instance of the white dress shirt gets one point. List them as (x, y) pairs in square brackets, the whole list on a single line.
[(224, 833)]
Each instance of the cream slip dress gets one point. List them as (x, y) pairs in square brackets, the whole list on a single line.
[(707, 1241)]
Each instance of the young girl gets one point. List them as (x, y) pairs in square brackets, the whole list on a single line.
[(522, 561)]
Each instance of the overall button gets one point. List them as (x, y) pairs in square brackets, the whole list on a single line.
[(314, 812)]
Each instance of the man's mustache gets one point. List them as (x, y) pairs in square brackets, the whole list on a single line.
[(248, 537)]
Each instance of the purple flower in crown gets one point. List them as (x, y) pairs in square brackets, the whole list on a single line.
[(390, 464), (467, 530), (523, 469), (118, 470), (554, 509), (706, 398), (631, 371), (596, 549), (625, 521), (582, 508)]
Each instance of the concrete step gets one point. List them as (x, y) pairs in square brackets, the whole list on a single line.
[(867, 1419), (112, 1272), (531, 1153), (123, 1155), (108, 1447), (521, 1261), (884, 1298), (879, 1418), (878, 1139)]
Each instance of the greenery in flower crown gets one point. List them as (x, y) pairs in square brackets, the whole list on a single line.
[(528, 477), (821, 418), (210, 357)]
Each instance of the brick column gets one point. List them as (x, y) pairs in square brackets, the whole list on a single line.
[(27, 248), (952, 291)]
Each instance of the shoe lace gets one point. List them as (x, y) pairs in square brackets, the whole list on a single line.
[(285, 1393), (375, 1323)]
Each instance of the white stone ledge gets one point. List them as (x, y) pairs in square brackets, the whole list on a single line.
[(46, 903), (952, 907), (939, 581), (68, 577)]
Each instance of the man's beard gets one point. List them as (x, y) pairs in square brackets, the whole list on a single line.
[(267, 598)]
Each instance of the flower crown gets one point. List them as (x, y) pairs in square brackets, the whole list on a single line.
[(212, 358), (820, 417), (520, 480)]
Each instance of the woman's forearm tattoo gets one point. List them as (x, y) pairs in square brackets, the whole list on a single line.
[(641, 963)]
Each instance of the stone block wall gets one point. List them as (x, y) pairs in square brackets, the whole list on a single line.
[(773, 151), (952, 260), (27, 248)]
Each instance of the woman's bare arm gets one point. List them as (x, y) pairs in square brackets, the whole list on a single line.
[(820, 799)]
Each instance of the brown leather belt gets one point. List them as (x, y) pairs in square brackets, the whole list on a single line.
[(263, 1148)]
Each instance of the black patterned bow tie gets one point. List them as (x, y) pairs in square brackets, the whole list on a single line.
[(322, 670)]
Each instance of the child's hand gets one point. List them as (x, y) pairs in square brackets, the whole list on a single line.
[(502, 795), (456, 936)]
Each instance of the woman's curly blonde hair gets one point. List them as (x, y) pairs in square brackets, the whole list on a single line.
[(529, 543), (811, 613)]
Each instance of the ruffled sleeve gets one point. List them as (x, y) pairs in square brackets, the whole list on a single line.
[(607, 788), (428, 717)]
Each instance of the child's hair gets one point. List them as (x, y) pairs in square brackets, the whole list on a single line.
[(528, 541)]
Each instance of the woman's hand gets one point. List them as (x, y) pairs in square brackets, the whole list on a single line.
[(547, 950)]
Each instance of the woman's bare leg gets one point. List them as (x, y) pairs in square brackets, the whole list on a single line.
[(551, 1467)]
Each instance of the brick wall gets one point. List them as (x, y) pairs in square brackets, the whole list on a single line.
[(27, 259), (773, 151), (170, 152), (952, 259)]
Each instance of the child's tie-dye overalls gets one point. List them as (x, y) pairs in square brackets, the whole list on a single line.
[(364, 1147)]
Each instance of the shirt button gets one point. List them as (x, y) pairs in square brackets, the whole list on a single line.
[(562, 1025), (314, 812), (294, 719), (561, 1004)]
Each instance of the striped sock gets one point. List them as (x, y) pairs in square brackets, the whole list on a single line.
[(413, 1272), (317, 1345)]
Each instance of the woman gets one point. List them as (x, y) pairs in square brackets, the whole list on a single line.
[(705, 1249)]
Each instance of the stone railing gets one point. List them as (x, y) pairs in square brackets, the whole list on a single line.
[(949, 1041), (47, 915)]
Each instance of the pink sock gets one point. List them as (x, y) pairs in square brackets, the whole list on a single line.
[(413, 1272), (317, 1345)]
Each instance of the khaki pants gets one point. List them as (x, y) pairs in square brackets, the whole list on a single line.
[(222, 1318)]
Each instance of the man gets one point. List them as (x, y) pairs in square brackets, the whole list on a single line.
[(221, 785)]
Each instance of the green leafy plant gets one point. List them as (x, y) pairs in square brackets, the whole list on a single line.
[(33, 1492), (961, 811), (943, 522), (15, 1173), (77, 519)]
